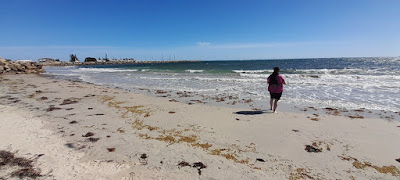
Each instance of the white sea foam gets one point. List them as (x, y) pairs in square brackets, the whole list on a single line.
[(251, 71), (226, 79), (162, 78), (194, 70), (100, 70), (255, 75), (376, 71)]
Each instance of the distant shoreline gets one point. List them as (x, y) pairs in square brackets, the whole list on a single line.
[(110, 63)]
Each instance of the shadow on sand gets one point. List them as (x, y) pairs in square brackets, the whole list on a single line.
[(252, 112)]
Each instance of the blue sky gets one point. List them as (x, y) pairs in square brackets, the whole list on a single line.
[(199, 29)]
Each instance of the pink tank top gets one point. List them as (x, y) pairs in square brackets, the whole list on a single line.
[(276, 88)]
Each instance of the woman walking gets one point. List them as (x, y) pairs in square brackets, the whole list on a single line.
[(275, 87)]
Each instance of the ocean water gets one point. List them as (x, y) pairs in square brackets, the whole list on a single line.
[(351, 83)]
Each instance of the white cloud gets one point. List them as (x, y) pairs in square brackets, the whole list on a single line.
[(203, 43)]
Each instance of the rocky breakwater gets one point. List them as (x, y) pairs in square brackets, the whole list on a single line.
[(15, 67)]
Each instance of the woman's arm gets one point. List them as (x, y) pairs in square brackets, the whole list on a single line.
[(283, 80)]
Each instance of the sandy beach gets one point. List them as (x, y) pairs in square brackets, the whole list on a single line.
[(77, 130)]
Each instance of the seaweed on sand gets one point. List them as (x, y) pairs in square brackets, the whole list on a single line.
[(25, 165), (88, 134), (310, 148), (52, 108), (26, 172), (183, 164), (91, 139), (143, 159), (199, 166)]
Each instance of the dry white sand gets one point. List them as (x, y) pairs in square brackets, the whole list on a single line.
[(169, 133)]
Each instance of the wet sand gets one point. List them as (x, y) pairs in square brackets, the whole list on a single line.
[(86, 131)]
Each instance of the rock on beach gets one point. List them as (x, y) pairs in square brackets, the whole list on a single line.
[(15, 67)]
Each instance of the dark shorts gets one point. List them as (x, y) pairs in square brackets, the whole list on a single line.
[(276, 95)]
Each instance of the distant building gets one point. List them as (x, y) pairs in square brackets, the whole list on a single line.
[(24, 60), (90, 59), (48, 60), (124, 60), (128, 59)]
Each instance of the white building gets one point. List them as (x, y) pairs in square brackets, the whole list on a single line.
[(48, 60), (24, 60)]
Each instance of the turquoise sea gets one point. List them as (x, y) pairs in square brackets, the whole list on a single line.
[(351, 83)]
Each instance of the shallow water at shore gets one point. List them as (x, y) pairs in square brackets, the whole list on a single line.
[(350, 83)]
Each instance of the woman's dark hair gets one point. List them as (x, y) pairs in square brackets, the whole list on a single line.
[(276, 70), (273, 79)]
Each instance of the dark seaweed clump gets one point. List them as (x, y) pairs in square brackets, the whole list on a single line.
[(25, 167)]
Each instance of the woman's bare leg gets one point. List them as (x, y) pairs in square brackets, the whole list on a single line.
[(270, 103), (275, 104)]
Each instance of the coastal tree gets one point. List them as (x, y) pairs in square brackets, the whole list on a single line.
[(73, 58)]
